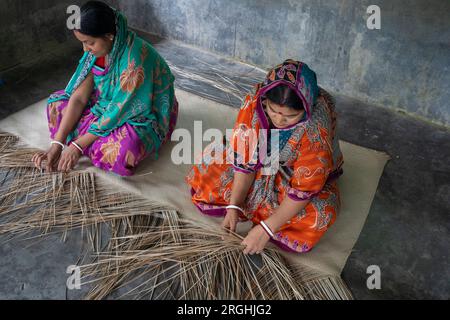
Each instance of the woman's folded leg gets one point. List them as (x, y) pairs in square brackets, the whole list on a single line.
[(56, 108), (306, 229), (55, 112), (120, 152)]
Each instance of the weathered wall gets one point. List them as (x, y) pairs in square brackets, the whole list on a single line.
[(29, 29), (405, 65)]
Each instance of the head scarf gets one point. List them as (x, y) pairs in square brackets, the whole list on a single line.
[(297, 76)]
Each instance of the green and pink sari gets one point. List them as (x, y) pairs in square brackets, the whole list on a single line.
[(133, 109)]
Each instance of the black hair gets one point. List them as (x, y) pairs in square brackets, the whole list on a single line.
[(284, 95), (97, 19)]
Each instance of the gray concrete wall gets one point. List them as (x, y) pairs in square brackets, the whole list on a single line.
[(30, 29), (405, 65)]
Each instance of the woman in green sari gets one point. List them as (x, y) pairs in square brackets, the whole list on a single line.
[(119, 106)]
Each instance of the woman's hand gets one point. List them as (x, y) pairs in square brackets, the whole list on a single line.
[(51, 156), (231, 220), (69, 159), (256, 240)]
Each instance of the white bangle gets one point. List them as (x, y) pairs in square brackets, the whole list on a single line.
[(59, 143), (231, 206), (267, 229), (77, 146)]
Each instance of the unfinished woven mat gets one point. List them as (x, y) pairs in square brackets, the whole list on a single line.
[(151, 251)]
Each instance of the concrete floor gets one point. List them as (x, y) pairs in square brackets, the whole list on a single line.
[(407, 230)]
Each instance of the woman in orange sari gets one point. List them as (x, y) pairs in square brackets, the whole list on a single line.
[(294, 199)]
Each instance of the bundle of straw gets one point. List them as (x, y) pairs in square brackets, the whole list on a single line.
[(151, 251)]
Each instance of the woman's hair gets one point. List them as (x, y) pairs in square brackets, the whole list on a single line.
[(97, 19), (283, 95)]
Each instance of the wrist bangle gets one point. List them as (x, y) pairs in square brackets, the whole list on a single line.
[(58, 143), (267, 229), (231, 206), (77, 146)]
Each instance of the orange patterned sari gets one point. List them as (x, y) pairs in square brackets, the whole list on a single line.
[(309, 162)]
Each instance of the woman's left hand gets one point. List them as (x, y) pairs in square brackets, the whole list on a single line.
[(256, 240), (69, 159)]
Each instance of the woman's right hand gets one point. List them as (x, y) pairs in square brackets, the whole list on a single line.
[(231, 220), (51, 156)]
